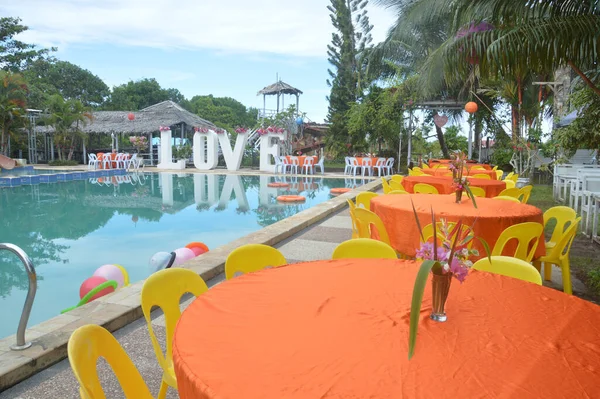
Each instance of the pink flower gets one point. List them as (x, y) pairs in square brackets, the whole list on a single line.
[(425, 252), (459, 270)]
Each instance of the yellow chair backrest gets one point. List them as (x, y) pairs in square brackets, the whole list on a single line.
[(366, 220), (364, 199), (448, 175), (514, 177), (397, 178), (510, 267), (385, 185), (428, 232), (506, 198), (510, 183), (164, 289), (422, 188), (481, 176), (508, 176), (563, 245), (86, 345), (363, 248), (527, 236), (564, 217), (477, 191), (251, 258), (394, 185), (425, 166), (526, 191), (478, 167), (499, 174), (351, 208), (417, 169), (415, 172), (512, 192), (495, 167), (398, 192)]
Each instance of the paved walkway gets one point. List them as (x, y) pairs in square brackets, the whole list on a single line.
[(313, 243)]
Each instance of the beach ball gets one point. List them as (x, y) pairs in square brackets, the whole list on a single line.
[(159, 261), (92, 283), (111, 272), (183, 255), (471, 107), (198, 247), (299, 121)]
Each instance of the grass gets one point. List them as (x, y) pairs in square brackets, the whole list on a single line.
[(585, 255)]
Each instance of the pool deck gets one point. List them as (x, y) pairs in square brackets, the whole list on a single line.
[(320, 228)]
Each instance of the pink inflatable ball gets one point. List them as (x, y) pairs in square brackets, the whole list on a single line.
[(159, 261), (183, 255), (198, 247), (92, 283), (197, 251), (111, 272)]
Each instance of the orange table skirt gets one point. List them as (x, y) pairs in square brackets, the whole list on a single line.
[(445, 162), (339, 329), (444, 184), (493, 217), (468, 172), (373, 160), (301, 159)]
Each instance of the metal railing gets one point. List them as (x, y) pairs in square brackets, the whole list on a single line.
[(21, 344)]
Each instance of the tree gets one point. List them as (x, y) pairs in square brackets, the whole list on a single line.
[(46, 78), (14, 54), (67, 117), (13, 101), (454, 140), (225, 112), (135, 95), (348, 44)]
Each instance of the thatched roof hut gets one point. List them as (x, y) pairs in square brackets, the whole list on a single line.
[(278, 89), (147, 120)]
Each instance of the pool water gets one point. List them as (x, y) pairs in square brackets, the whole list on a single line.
[(71, 228)]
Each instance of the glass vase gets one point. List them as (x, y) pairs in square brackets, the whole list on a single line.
[(440, 286), (459, 193)]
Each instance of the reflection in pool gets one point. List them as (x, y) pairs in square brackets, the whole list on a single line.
[(69, 229)]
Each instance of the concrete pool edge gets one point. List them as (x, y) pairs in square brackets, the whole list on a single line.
[(116, 310)]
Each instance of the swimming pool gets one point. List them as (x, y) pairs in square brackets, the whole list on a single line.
[(71, 228)]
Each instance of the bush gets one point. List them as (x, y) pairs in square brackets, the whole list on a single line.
[(58, 162)]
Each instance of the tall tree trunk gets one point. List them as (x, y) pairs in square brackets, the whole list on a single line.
[(515, 123), (442, 141), (585, 78)]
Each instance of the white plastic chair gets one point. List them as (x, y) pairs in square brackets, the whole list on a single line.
[(133, 162), (354, 165), (321, 164), (106, 161), (92, 161), (122, 161), (348, 167), (279, 164), (286, 165), (381, 166), (308, 164), (389, 164), (367, 166), (294, 163)]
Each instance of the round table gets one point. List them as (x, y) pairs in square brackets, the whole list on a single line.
[(301, 159), (339, 329), (444, 184), (493, 217), (373, 160), (467, 172)]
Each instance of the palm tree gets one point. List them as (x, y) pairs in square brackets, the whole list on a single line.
[(13, 92)]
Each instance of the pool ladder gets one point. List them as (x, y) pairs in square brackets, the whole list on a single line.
[(21, 344)]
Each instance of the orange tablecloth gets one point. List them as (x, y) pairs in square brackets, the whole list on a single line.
[(301, 159), (468, 172), (373, 160), (444, 184), (339, 329), (493, 216), (434, 162)]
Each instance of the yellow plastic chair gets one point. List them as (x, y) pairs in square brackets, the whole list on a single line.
[(510, 183), (508, 176), (448, 175), (385, 185), (499, 174), (559, 256), (365, 220), (425, 166), (506, 198), (481, 176), (364, 199), (417, 169), (477, 191), (514, 177), (428, 232), (164, 289), (351, 208), (415, 172), (512, 192), (253, 257), (397, 178), (526, 192), (563, 217), (527, 235), (509, 267), (394, 185), (86, 345), (422, 188), (364, 248), (398, 192), (478, 167), (495, 167)]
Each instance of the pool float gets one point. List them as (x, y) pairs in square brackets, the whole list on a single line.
[(338, 191), (198, 247), (7, 163), (164, 260), (291, 198), (278, 185)]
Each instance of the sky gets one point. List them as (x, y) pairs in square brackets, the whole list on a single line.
[(229, 48)]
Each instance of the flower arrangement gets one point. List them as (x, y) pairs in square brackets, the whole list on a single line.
[(139, 142), (219, 131), (164, 128), (460, 183), (203, 130), (262, 131), (241, 130)]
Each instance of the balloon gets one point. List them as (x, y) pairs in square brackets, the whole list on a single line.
[(198, 247), (111, 272), (130, 116), (299, 121), (92, 283), (471, 107), (159, 261), (183, 255)]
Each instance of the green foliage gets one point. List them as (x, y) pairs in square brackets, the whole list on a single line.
[(47, 78), (67, 117), (224, 112), (135, 95), (584, 132), (13, 102), (182, 152), (454, 140), (63, 162), (15, 54)]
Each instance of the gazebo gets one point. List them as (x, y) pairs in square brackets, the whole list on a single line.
[(279, 89)]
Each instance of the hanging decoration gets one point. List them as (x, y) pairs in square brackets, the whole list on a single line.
[(471, 107), (131, 116), (440, 120)]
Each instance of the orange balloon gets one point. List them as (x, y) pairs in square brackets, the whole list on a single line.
[(471, 107)]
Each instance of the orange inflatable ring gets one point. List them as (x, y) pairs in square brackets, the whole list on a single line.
[(340, 190), (291, 198), (197, 245), (278, 185)]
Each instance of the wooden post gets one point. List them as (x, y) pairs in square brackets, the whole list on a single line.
[(277, 102), (83, 151), (297, 103), (264, 105), (151, 149)]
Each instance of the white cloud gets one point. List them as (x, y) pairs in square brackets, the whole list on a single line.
[(296, 28)]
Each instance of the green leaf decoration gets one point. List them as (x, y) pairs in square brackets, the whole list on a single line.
[(435, 237), (486, 247), (470, 194), (417, 219), (417, 299)]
